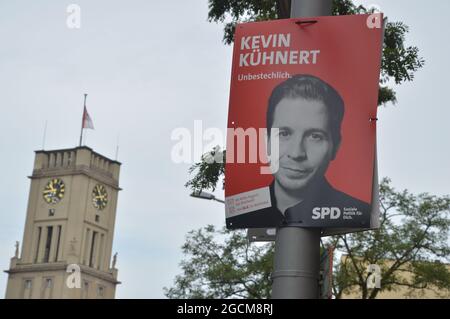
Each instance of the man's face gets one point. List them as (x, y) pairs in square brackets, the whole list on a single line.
[(305, 143)]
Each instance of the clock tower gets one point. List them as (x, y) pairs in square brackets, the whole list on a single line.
[(69, 228)]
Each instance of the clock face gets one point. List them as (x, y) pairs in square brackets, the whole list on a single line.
[(99, 197), (54, 191)]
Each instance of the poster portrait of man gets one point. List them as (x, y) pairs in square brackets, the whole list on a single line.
[(316, 101), (307, 113)]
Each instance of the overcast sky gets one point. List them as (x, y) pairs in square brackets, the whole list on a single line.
[(150, 67)]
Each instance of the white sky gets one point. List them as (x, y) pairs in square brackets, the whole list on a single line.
[(150, 67)]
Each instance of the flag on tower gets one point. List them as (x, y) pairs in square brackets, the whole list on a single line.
[(87, 121)]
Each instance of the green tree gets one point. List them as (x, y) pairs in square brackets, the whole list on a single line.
[(414, 233), (399, 61), (223, 264)]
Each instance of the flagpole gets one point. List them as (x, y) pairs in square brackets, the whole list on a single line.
[(45, 135), (117, 147), (82, 119)]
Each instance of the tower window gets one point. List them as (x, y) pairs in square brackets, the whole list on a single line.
[(28, 283), (91, 257), (97, 218), (37, 245), (85, 291), (86, 247), (27, 289), (48, 244), (51, 212), (48, 283), (101, 291), (58, 242), (47, 288)]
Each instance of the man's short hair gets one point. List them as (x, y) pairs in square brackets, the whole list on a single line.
[(310, 87)]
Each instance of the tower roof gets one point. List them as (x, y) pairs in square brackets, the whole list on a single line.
[(77, 148)]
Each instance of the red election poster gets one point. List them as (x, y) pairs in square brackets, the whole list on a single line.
[(302, 123)]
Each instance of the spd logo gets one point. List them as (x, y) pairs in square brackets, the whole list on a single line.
[(326, 212)]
